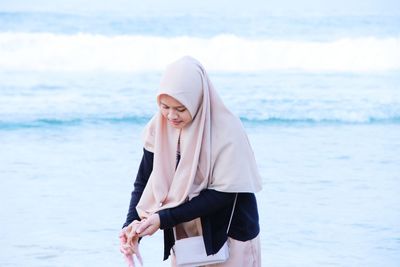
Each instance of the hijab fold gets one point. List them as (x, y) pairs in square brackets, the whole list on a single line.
[(215, 150)]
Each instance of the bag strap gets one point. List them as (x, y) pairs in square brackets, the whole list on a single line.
[(233, 209)]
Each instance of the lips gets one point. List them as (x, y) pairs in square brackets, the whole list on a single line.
[(175, 122)]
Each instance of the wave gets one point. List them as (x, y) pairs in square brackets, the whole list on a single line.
[(137, 53), (141, 120), (59, 122), (254, 25)]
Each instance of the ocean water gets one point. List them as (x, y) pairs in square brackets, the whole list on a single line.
[(318, 96)]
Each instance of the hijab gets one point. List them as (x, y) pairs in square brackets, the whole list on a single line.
[(215, 151)]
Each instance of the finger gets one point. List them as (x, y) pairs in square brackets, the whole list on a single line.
[(141, 227), (122, 250), (133, 243), (125, 249), (122, 246), (122, 234), (148, 231), (131, 235), (133, 225), (122, 239), (128, 248)]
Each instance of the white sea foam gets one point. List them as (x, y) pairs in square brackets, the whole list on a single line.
[(83, 52)]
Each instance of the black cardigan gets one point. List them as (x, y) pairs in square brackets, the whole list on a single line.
[(213, 207)]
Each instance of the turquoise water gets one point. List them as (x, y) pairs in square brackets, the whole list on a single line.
[(52, 99), (76, 91), (330, 194)]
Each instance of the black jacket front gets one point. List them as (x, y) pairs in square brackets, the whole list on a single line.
[(213, 207)]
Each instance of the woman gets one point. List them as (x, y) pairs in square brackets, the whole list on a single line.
[(196, 158)]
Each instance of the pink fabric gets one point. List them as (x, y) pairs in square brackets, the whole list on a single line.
[(215, 151)]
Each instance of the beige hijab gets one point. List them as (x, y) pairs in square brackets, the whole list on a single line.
[(215, 151)]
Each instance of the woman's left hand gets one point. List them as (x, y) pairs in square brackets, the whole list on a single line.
[(149, 226), (129, 244)]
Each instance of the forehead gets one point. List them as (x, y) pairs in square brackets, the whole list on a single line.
[(170, 101)]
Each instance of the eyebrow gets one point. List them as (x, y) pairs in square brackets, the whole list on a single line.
[(182, 106)]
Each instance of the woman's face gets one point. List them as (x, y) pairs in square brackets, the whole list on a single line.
[(173, 110)]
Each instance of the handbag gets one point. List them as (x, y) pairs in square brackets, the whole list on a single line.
[(191, 251)]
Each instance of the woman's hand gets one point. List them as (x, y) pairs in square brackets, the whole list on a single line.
[(149, 226), (123, 247), (129, 244)]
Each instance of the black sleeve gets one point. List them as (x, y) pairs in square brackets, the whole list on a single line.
[(208, 201), (145, 169)]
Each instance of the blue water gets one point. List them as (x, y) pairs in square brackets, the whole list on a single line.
[(203, 25), (318, 96)]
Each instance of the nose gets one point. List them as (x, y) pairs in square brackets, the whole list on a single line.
[(172, 115)]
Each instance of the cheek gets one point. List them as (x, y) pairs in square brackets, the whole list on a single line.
[(164, 113), (187, 117)]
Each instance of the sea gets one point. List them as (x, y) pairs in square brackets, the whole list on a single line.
[(319, 97)]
